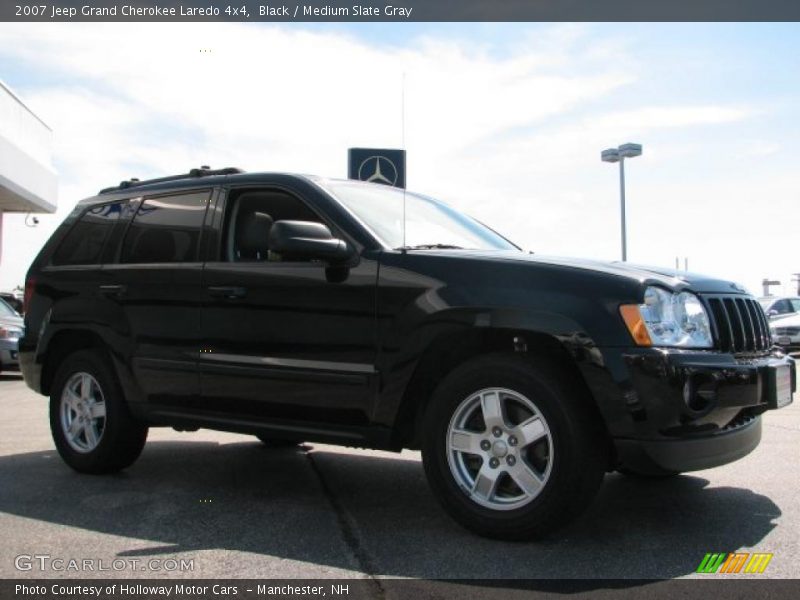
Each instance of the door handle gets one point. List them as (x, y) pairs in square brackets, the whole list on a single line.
[(113, 290), (229, 292)]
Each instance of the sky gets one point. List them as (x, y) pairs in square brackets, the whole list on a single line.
[(503, 121)]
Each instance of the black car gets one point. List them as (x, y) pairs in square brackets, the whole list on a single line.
[(296, 308)]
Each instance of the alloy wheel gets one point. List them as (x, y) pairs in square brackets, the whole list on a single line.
[(499, 449)]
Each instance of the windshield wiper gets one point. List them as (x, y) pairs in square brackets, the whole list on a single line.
[(430, 247)]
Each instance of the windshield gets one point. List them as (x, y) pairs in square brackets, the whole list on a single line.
[(6, 310), (429, 223)]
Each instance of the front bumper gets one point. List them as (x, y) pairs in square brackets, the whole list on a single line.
[(790, 344), (9, 355), (690, 410), (690, 453)]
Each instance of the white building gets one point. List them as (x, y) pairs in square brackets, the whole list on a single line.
[(28, 181)]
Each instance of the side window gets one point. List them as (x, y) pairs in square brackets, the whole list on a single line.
[(249, 218), (782, 307), (85, 241), (795, 304), (166, 229)]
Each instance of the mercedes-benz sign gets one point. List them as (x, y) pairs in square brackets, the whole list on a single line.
[(384, 166)]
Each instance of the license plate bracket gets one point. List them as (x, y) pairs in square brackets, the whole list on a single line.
[(779, 386)]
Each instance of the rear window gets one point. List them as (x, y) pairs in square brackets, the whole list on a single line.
[(166, 229), (85, 241)]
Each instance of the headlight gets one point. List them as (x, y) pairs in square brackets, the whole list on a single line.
[(10, 333), (668, 319)]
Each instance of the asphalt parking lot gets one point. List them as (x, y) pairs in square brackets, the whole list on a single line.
[(238, 509)]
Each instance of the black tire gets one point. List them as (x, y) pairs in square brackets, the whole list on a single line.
[(271, 442), (578, 459), (122, 437)]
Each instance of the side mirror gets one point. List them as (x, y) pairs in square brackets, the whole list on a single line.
[(772, 313), (305, 240)]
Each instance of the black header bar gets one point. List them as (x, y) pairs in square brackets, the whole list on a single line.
[(398, 10)]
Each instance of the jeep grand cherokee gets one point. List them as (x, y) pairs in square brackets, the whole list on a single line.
[(296, 308)]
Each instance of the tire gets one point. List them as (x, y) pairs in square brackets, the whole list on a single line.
[(271, 442), (561, 470), (108, 438)]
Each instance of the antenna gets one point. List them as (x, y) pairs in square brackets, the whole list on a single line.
[(403, 144)]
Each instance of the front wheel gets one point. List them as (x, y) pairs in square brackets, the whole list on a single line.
[(271, 442), (512, 451), (92, 427)]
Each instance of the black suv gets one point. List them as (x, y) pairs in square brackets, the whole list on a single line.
[(297, 308)]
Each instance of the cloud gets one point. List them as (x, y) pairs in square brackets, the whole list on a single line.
[(512, 137), (657, 117)]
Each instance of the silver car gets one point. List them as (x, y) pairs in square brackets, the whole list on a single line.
[(786, 333), (10, 331), (778, 307)]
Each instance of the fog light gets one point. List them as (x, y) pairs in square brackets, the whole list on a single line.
[(700, 393)]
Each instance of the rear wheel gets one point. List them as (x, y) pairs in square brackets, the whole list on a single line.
[(91, 425), (511, 450)]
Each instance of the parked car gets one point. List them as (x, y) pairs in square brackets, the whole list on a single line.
[(786, 333), (10, 332), (297, 308), (778, 307), (12, 301)]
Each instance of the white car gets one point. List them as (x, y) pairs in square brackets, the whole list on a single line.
[(786, 333), (779, 307)]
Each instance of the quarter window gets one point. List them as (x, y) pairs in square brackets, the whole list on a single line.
[(85, 241), (166, 229)]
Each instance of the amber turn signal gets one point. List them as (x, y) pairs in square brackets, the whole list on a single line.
[(633, 319)]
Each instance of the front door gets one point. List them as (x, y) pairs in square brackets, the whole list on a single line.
[(284, 342)]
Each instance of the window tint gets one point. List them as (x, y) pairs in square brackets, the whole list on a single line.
[(85, 241), (782, 307), (250, 216), (166, 229)]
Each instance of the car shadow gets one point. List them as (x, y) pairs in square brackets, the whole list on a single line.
[(307, 504)]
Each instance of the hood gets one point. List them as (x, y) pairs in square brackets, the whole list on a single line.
[(11, 321), (785, 321), (669, 278)]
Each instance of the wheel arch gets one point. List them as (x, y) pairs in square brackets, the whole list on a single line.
[(62, 344), (449, 351)]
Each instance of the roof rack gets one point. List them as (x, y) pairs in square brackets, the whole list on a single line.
[(203, 171)]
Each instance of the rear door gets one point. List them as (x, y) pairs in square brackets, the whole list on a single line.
[(155, 283)]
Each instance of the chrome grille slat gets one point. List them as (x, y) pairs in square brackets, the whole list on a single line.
[(748, 331), (739, 322), (759, 326)]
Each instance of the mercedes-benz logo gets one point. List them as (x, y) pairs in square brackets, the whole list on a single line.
[(378, 169)]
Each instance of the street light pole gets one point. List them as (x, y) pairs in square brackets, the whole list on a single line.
[(622, 208), (619, 155)]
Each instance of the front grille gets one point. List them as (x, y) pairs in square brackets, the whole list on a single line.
[(740, 324), (787, 330)]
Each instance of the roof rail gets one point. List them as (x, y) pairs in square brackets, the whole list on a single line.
[(203, 171)]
